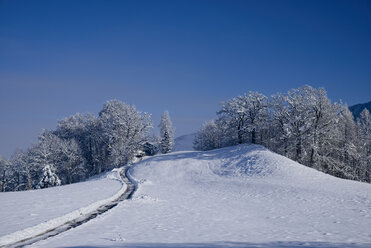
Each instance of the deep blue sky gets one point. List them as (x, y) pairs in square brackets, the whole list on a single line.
[(62, 57)]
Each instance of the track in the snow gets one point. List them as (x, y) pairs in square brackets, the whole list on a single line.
[(131, 187)]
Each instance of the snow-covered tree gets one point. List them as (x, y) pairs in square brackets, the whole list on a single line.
[(364, 125), (364, 131), (245, 116), (307, 124), (124, 131), (46, 153), (208, 137), (166, 133), (22, 175), (324, 116), (280, 133), (69, 161), (87, 132), (299, 122), (303, 125), (81, 146), (347, 137), (48, 178), (6, 175)]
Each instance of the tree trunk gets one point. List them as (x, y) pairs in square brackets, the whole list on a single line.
[(3, 183), (239, 133), (298, 150), (311, 161), (253, 136)]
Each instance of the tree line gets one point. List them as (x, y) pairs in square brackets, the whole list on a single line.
[(84, 145), (303, 125)]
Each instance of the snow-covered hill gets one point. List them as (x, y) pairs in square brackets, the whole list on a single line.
[(233, 197), (184, 142)]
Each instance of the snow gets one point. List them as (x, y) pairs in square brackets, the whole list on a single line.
[(28, 213), (184, 142), (232, 197)]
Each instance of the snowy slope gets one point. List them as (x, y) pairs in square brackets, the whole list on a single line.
[(184, 142), (21, 210), (232, 197)]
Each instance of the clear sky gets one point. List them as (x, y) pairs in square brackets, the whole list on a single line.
[(58, 58)]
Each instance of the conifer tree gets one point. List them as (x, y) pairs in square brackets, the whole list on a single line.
[(166, 133), (48, 178)]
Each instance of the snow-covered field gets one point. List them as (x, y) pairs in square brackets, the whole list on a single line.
[(27, 213), (233, 197)]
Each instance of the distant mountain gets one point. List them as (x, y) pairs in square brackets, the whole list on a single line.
[(358, 108), (184, 143)]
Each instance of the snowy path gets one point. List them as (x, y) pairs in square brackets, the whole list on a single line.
[(24, 209), (76, 218)]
